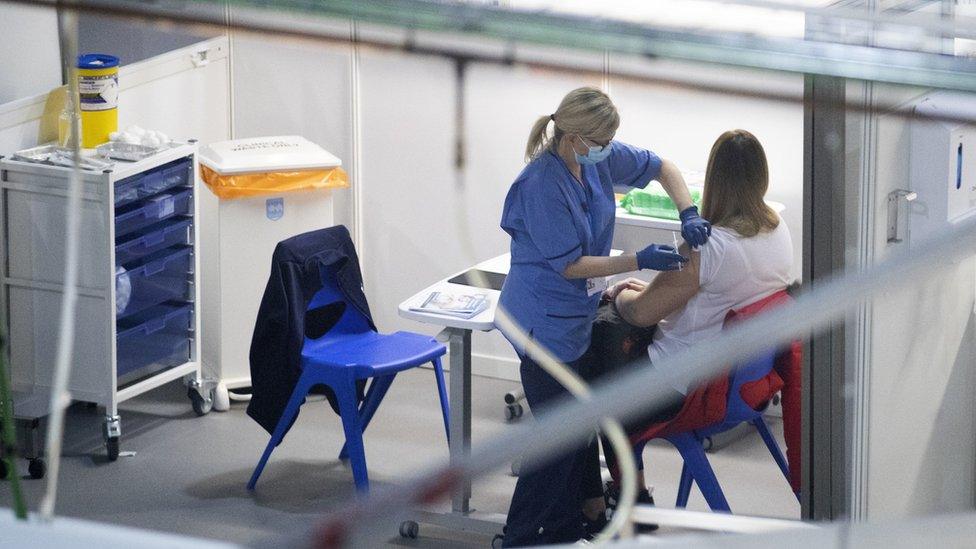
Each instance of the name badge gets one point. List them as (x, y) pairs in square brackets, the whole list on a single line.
[(596, 285)]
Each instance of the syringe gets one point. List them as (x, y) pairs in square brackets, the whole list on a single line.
[(674, 238)]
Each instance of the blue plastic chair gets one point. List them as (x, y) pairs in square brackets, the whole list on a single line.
[(349, 352), (690, 444)]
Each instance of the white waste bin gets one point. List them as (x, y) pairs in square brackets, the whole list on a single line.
[(264, 190)]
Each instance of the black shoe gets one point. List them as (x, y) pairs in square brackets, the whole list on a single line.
[(612, 494)]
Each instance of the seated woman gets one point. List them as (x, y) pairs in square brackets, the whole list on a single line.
[(749, 257)]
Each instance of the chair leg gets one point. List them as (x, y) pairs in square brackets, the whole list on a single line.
[(374, 395), (684, 487), (352, 426), (701, 471), (291, 409), (770, 441), (442, 392)]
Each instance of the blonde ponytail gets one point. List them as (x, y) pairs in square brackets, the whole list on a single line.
[(587, 112), (538, 138)]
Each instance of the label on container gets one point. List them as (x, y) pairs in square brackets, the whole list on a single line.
[(275, 208), (98, 93)]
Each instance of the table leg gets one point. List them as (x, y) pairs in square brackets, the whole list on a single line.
[(461, 518), (459, 345)]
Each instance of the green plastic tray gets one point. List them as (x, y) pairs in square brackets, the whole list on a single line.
[(654, 202)]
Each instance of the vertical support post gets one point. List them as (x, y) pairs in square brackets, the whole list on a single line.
[(459, 346), (825, 417)]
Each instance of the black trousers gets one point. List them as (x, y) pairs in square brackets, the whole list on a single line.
[(547, 504)]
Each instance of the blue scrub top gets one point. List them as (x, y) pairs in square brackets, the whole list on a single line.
[(553, 221)]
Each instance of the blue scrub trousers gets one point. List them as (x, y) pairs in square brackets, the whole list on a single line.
[(548, 500)]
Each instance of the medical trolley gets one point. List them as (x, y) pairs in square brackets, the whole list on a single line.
[(137, 317)]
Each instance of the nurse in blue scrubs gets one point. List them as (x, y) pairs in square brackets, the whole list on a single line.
[(560, 213)]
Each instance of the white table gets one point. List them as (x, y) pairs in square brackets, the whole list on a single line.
[(457, 332)]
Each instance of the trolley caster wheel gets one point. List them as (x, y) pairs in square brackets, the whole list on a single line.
[(112, 447), (513, 412), (707, 444), (516, 467), (37, 468), (201, 404), (496, 542), (409, 529)]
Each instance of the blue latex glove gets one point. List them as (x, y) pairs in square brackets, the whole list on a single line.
[(694, 229), (660, 257)]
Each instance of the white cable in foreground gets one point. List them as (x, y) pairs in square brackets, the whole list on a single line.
[(644, 390), (60, 398), (716, 522)]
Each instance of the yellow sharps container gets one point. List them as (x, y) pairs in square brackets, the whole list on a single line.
[(98, 91)]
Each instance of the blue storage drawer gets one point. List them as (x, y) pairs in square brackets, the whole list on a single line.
[(162, 276), (155, 340), (175, 174), (157, 237), (153, 210)]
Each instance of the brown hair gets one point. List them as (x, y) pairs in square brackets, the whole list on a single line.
[(584, 111), (735, 184)]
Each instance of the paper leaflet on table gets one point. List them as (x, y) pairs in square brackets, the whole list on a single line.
[(453, 304)]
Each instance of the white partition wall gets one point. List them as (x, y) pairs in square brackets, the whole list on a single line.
[(411, 203), (29, 48)]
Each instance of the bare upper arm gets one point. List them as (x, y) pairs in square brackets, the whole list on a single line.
[(670, 291)]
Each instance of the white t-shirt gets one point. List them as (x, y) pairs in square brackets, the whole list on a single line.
[(734, 272)]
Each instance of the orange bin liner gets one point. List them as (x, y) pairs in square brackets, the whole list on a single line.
[(265, 183)]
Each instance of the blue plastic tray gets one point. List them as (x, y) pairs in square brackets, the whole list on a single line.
[(163, 276), (156, 339), (167, 234), (175, 174), (155, 209)]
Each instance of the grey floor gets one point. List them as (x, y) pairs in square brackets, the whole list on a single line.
[(188, 473)]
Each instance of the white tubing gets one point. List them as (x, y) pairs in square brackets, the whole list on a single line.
[(645, 390), (716, 522), (60, 397)]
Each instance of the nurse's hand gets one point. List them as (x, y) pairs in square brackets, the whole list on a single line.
[(660, 257), (694, 228), (635, 284)]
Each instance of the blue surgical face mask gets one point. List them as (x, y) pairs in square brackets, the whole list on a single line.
[(594, 155)]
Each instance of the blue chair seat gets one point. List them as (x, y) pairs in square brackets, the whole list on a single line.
[(690, 444), (372, 353)]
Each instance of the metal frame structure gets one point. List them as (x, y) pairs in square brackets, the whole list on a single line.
[(824, 242), (494, 29)]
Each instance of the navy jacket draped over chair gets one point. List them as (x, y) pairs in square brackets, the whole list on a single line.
[(282, 324)]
